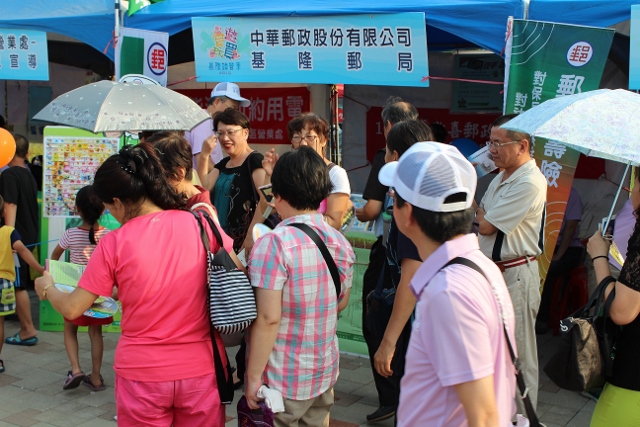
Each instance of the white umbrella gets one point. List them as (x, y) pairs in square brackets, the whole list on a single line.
[(601, 123), (112, 106)]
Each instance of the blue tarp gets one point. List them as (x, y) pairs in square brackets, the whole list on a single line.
[(481, 22), (594, 13), (89, 21)]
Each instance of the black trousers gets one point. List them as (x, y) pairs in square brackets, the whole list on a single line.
[(373, 329), (571, 259)]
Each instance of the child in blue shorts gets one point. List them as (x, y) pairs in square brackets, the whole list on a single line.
[(10, 241)]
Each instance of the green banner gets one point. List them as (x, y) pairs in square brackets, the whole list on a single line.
[(546, 60)]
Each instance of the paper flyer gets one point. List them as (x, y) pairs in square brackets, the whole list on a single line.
[(65, 273), (66, 277), (485, 161)]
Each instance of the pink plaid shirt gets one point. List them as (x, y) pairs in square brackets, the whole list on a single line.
[(304, 361)]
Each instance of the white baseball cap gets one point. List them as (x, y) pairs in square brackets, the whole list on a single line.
[(231, 91), (428, 173)]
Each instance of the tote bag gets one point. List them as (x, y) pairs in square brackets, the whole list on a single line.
[(232, 304)]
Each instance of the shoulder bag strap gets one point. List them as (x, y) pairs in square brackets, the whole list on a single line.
[(224, 377), (497, 246), (203, 234), (333, 268), (524, 391), (256, 196), (212, 225)]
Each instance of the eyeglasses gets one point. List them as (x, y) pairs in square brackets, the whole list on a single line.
[(308, 138), (228, 133), (497, 145), (235, 107)]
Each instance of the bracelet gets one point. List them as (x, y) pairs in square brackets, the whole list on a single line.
[(599, 256), (44, 291)]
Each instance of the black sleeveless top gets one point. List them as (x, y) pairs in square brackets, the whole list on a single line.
[(626, 369)]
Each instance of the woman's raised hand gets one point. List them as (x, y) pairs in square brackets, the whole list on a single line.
[(269, 161)]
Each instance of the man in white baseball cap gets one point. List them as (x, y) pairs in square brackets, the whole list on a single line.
[(224, 95), (458, 367)]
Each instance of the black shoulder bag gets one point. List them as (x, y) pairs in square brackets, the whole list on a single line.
[(584, 357)]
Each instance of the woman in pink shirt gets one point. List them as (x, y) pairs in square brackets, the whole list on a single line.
[(164, 361)]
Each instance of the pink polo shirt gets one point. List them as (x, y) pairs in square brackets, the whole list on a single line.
[(457, 337), (159, 265)]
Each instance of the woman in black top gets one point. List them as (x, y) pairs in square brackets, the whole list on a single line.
[(234, 181), (619, 403)]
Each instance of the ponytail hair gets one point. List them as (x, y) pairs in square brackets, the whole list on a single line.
[(90, 208), (134, 175)]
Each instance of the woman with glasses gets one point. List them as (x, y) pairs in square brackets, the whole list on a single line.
[(312, 130), (234, 179)]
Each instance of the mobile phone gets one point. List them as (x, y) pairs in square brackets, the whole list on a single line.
[(266, 191), (610, 226)]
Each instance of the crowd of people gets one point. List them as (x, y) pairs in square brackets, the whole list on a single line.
[(442, 304)]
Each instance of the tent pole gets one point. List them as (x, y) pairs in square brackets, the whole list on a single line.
[(116, 32), (615, 200)]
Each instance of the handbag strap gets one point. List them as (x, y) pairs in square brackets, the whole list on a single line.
[(224, 378), (524, 391), (256, 195), (333, 268), (203, 234), (608, 363)]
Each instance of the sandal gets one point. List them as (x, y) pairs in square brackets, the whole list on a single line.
[(16, 340), (87, 381), (73, 381), (1, 366)]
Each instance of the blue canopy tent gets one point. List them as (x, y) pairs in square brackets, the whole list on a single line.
[(595, 13), (449, 22)]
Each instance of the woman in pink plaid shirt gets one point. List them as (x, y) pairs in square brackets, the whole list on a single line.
[(293, 346)]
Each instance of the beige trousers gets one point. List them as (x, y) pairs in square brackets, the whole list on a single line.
[(523, 283), (306, 413)]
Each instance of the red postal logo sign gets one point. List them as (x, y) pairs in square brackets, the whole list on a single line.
[(157, 59), (580, 54)]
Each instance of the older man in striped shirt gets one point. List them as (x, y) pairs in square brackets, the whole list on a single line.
[(293, 347)]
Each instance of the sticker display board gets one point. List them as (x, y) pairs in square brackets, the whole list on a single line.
[(381, 49), (70, 162)]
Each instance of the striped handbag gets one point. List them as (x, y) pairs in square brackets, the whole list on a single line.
[(232, 304)]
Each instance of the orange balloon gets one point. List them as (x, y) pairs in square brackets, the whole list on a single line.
[(7, 147)]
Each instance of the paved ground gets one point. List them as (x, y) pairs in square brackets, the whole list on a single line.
[(31, 389)]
